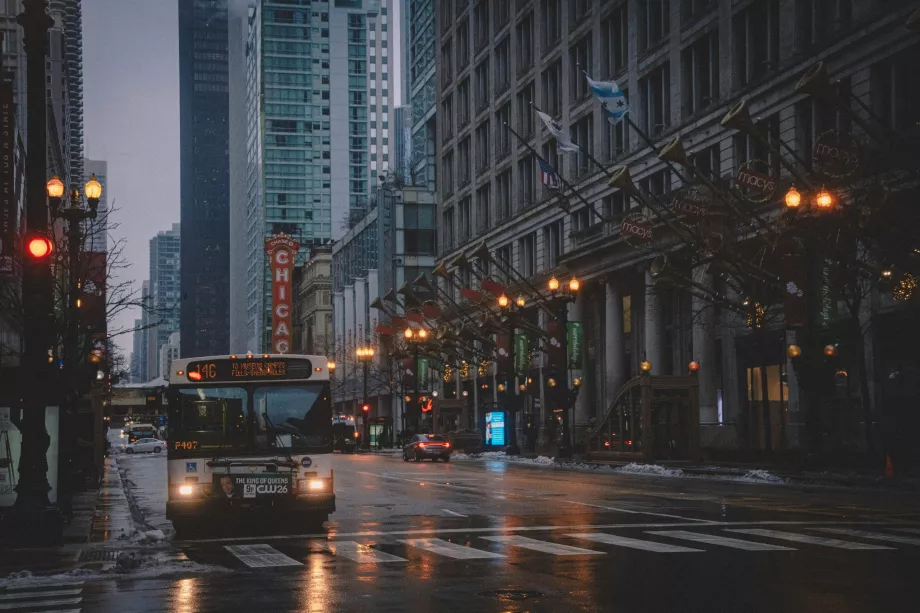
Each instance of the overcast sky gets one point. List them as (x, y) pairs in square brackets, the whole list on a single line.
[(131, 120)]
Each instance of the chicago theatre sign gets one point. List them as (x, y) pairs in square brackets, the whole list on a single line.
[(282, 250)]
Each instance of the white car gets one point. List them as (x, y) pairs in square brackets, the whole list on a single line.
[(145, 444)]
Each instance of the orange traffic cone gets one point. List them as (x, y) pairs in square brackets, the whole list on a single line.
[(889, 467)]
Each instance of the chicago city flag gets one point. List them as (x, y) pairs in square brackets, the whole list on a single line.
[(611, 97)]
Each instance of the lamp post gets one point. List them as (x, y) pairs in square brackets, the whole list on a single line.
[(365, 356), (416, 337), (560, 296)]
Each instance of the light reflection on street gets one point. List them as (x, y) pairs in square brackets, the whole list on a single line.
[(187, 596), (316, 594)]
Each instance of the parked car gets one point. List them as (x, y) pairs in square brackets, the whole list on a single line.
[(432, 446), (142, 445)]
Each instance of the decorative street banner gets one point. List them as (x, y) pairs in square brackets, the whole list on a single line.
[(431, 310), (690, 202), (496, 289), (754, 181), (503, 353), (415, 317), (7, 178), (423, 373), (521, 352), (575, 339), (470, 294), (93, 292), (555, 348), (408, 377), (836, 153), (281, 249), (636, 230)]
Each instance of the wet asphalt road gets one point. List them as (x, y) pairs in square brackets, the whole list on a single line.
[(491, 536)]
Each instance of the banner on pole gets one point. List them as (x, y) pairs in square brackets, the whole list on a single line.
[(521, 353), (555, 349), (575, 341)]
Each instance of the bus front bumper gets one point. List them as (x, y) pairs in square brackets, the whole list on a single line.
[(319, 503)]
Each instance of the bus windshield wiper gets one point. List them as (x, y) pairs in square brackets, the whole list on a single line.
[(278, 441)]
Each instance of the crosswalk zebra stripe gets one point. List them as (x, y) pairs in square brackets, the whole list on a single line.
[(911, 530), (450, 550), (39, 594), (622, 541), (6, 606), (555, 549), (41, 586), (261, 556), (360, 553), (807, 538), (878, 536), (724, 541)]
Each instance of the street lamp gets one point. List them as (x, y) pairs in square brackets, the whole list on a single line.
[(365, 355), (574, 285), (824, 200), (521, 301), (793, 198), (503, 301), (553, 284)]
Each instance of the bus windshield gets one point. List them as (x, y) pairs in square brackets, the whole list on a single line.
[(211, 417), (293, 417)]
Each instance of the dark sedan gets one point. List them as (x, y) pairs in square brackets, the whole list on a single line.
[(423, 446)]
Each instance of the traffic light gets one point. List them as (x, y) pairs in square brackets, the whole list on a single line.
[(366, 408), (38, 247)]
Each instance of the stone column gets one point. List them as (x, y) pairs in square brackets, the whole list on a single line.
[(704, 350), (653, 331), (614, 356)]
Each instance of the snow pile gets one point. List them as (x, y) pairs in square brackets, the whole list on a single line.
[(649, 469), (501, 456), (25, 578), (761, 476)]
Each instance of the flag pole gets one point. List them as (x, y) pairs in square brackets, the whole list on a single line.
[(561, 178)]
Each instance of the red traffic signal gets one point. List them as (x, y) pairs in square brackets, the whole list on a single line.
[(366, 408), (39, 247)]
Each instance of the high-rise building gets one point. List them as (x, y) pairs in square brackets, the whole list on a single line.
[(204, 167), (137, 352), (307, 79), (420, 87), (97, 235), (164, 291), (402, 144), (239, 181), (168, 353), (146, 331), (381, 63), (73, 66)]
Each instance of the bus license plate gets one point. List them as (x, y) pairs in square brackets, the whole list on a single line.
[(243, 487)]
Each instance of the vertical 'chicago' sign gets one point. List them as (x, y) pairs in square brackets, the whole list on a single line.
[(281, 249)]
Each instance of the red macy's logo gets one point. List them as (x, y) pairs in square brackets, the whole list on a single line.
[(638, 229)]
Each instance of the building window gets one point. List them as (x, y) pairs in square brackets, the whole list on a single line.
[(462, 6), (614, 205), (503, 195), (448, 233), (525, 112), (654, 22), (447, 118), (657, 183), (756, 41), (817, 20), (481, 24), (708, 162), (502, 14), (445, 15), (463, 161), (447, 173), (614, 43), (552, 23), (526, 182), (581, 219), (528, 249), (552, 244), (483, 208), (578, 10), (583, 136), (503, 65), (691, 10), (502, 134), (463, 45), (895, 94), (482, 146), (616, 137), (445, 67), (525, 44), (552, 89), (579, 59), (466, 223), (700, 74), (482, 85), (656, 97), (463, 103), (749, 148)]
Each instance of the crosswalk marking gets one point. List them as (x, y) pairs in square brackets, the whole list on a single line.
[(41, 586), (724, 541), (622, 541), (911, 530), (878, 536), (45, 594), (555, 549), (6, 606), (360, 553), (807, 538), (261, 556), (450, 550)]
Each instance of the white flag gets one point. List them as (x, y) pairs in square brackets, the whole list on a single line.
[(564, 140), (611, 97)]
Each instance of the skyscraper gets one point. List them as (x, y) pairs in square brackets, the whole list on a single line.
[(420, 87), (164, 291), (307, 79), (381, 64), (97, 237), (204, 167)]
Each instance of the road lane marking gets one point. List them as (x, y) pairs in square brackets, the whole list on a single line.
[(38, 594), (361, 554), (806, 538), (878, 536), (450, 550), (555, 549), (911, 530), (6, 606), (724, 541), (40, 586), (634, 512), (622, 541), (261, 556), (544, 528), (454, 513)]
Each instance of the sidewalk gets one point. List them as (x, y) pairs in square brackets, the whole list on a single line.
[(103, 514)]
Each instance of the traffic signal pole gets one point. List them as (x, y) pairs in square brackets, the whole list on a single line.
[(36, 520)]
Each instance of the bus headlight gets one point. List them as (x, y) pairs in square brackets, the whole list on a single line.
[(307, 486), (186, 490), (316, 485)]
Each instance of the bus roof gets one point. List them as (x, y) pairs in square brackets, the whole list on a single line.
[(178, 373)]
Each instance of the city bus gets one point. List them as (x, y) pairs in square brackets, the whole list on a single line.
[(249, 436)]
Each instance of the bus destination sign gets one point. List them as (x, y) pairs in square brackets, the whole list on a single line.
[(249, 369)]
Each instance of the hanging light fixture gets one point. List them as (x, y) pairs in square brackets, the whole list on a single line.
[(793, 198), (823, 199)]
